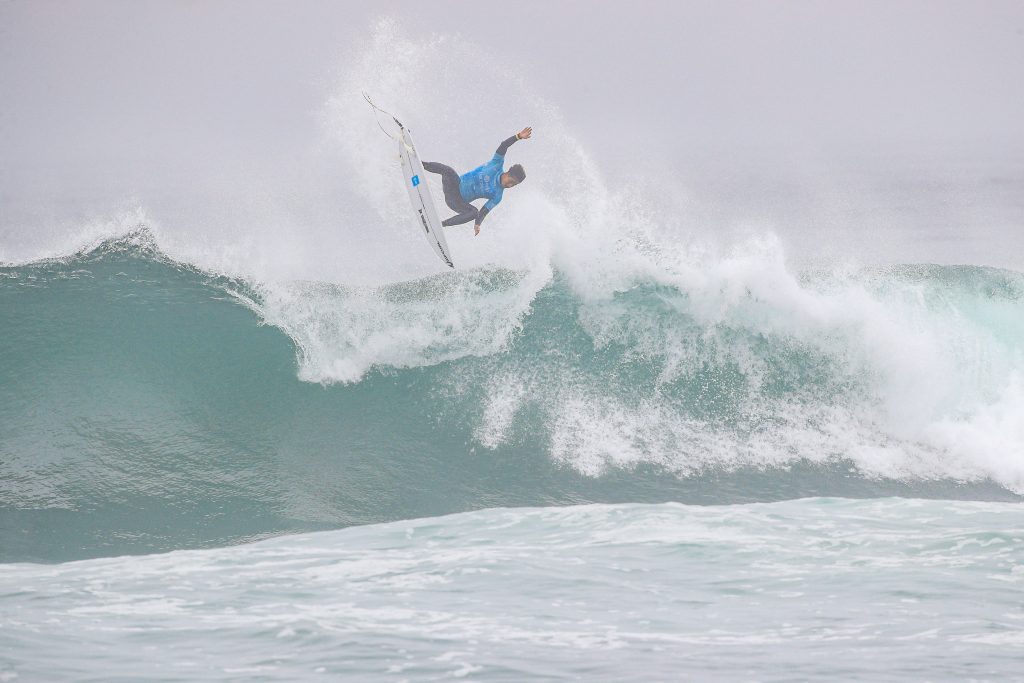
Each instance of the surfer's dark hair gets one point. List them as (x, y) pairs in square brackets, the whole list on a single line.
[(518, 173)]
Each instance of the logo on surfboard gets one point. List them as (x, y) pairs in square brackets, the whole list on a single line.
[(415, 180)]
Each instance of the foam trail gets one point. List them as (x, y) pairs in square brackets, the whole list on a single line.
[(785, 588)]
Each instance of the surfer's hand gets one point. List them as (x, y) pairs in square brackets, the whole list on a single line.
[(525, 133), (476, 230)]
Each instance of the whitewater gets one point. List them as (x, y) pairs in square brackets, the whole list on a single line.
[(611, 445), (815, 588)]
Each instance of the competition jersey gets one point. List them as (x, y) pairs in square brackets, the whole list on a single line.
[(484, 182)]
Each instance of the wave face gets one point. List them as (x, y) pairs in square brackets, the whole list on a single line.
[(785, 589), (147, 405)]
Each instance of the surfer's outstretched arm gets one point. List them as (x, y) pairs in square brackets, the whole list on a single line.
[(481, 215), (513, 177), (505, 144)]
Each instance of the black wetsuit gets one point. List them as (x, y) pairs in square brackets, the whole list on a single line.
[(482, 182)]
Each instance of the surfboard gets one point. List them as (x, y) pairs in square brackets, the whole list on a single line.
[(419, 195)]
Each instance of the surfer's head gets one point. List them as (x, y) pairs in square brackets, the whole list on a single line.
[(513, 176)]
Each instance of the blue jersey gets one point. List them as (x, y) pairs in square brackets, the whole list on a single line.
[(484, 182)]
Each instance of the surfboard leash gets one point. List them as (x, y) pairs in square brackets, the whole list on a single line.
[(375, 118)]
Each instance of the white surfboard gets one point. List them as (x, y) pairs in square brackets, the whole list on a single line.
[(419, 195)]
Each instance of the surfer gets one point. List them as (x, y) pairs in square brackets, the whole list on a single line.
[(484, 182)]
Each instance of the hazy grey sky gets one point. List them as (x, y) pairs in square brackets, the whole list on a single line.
[(107, 96), (143, 79)]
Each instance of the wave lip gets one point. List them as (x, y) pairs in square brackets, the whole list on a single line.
[(342, 333)]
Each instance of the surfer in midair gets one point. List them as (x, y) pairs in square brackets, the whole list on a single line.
[(484, 182)]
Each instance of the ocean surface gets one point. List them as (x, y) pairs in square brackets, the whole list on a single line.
[(751, 416), (812, 589), (503, 475)]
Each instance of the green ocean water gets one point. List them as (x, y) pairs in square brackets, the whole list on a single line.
[(146, 405)]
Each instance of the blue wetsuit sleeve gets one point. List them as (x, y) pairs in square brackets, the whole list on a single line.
[(505, 144)]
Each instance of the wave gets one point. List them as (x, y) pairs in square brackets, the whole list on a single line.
[(508, 594), (148, 404)]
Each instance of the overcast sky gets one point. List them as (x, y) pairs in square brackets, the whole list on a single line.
[(84, 78), (95, 92)]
